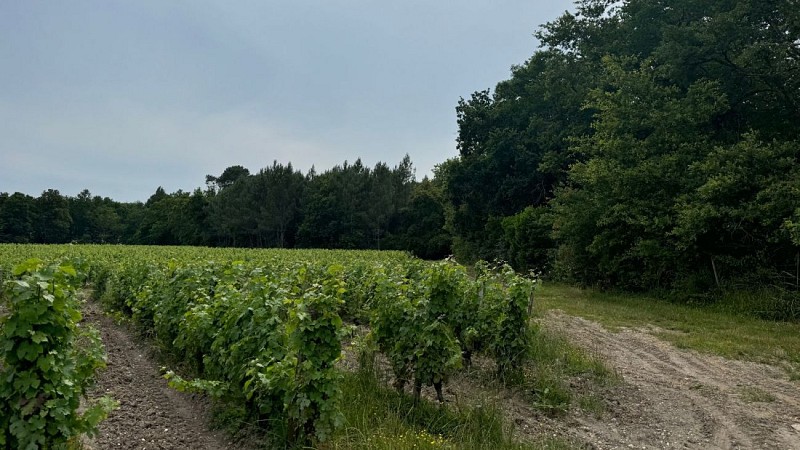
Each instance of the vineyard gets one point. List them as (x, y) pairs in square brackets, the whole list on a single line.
[(258, 328)]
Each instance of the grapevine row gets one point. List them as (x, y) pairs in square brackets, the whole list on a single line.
[(265, 339), (263, 329), (432, 319), (48, 360)]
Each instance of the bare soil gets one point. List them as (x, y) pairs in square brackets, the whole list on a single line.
[(673, 398), (151, 415)]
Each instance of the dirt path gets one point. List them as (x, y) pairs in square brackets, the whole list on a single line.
[(674, 398), (151, 415)]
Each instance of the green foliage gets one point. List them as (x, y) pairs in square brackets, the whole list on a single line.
[(54, 220), (262, 330), (511, 342), (527, 235), (614, 221), (349, 206), (354, 206), (262, 334), (16, 218), (314, 330), (381, 418), (661, 137), (408, 326), (48, 360), (739, 214), (513, 152), (430, 319), (420, 225)]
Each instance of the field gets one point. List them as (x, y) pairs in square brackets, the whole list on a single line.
[(336, 349)]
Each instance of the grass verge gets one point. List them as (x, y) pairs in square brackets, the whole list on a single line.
[(557, 375), (560, 374), (717, 329), (378, 417)]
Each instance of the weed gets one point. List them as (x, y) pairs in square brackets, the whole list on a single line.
[(752, 394), (557, 371), (378, 417), (592, 403)]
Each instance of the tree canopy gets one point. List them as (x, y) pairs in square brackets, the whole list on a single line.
[(347, 206), (657, 140)]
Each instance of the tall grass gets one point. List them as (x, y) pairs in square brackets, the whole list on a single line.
[(378, 417), (769, 303), (560, 374)]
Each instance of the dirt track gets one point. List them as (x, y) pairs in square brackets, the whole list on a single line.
[(151, 415), (673, 398)]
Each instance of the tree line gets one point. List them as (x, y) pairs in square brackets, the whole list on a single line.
[(645, 145), (348, 206)]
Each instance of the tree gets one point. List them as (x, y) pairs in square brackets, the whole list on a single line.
[(687, 170), (514, 148), (614, 219), (53, 224), (278, 192), (107, 225), (334, 208), (17, 218), (80, 209), (192, 228), (229, 176), (616, 130), (420, 224), (734, 222), (232, 215), (528, 236)]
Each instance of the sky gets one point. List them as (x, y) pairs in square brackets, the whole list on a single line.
[(120, 97)]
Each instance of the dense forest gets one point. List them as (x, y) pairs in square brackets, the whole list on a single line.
[(646, 145), (349, 206)]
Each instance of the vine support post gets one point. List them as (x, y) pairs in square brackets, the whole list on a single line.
[(530, 303), (714, 268)]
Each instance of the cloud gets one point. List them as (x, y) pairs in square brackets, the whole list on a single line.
[(120, 98), (123, 149)]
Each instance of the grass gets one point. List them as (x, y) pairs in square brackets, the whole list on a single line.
[(751, 394), (378, 417), (722, 328), (556, 376), (560, 374)]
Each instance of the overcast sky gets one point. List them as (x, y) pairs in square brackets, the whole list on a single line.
[(121, 97)]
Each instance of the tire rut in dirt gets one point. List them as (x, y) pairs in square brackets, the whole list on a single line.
[(677, 398)]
